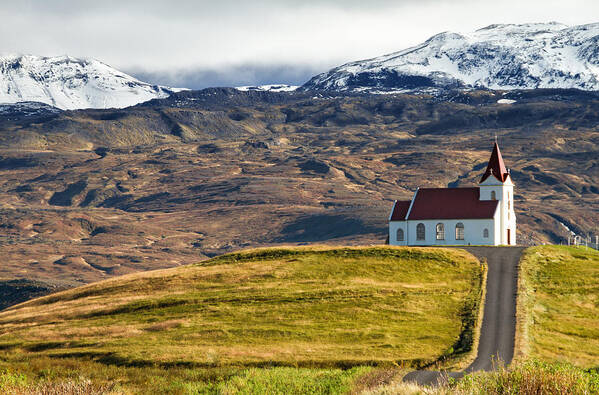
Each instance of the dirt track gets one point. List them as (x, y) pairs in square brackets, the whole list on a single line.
[(499, 320)]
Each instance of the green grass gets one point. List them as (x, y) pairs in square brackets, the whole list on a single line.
[(323, 313), (290, 381), (558, 305), (102, 380), (529, 378)]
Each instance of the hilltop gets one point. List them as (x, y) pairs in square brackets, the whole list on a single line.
[(317, 307)]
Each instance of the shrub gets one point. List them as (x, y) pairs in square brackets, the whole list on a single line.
[(10, 381), (530, 378)]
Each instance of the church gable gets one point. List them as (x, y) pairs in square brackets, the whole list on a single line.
[(400, 210)]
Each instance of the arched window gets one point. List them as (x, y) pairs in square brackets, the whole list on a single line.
[(440, 231), (459, 231), (400, 234), (420, 232), (493, 195), (486, 233)]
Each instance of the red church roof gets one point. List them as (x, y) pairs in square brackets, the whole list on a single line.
[(400, 210), (496, 167), (451, 203)]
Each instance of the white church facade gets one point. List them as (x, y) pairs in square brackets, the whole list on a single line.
[(482, 215)]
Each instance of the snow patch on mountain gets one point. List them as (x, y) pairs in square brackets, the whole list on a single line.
[(269, 88), (70, 83), (503, 57)]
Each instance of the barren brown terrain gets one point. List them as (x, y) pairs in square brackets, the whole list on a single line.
[(85, 195)]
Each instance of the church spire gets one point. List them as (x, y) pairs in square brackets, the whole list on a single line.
[(496, 167)]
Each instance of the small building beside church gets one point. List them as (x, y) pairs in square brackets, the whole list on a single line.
[(482, 215)]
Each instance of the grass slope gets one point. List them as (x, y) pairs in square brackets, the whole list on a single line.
[(214, 323), (558, 305)]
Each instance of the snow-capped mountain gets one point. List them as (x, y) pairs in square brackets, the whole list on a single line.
[(527, 56), (70, 83)]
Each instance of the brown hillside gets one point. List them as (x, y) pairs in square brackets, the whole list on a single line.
[(86, 195)]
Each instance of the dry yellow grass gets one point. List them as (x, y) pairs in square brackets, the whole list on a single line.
[(320, 307), (558, 317)]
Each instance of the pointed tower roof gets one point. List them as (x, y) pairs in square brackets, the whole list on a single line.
[(496, 167)]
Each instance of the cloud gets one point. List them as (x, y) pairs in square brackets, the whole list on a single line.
[(162, 38), (239, 75)]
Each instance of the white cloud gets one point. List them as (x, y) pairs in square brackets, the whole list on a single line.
[(171, 35)]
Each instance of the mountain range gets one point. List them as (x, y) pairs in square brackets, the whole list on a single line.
[(502, 57)]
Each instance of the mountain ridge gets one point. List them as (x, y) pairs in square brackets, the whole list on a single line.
[(500, 57), (70, 83)]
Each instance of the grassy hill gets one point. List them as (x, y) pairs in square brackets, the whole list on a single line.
[(309, 312), (321, 320), (559, 305)]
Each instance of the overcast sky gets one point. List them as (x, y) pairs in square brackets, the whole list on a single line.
[(197, 44)]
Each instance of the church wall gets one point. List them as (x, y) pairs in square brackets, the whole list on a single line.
[(497, 225), (473, 232), (393, 226), (504, 192)]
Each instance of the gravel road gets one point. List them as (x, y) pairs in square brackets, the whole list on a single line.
[(499, 320)]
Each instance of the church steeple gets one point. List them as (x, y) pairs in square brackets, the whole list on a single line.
[(496, 167)]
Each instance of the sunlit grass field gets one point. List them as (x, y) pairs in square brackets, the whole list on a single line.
[(559, 305), (319, 312)]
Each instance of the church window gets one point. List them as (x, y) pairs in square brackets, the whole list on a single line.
[(420, 232), (459, 231), (440, 231), (486, 233), (493, 195), (399, 234)]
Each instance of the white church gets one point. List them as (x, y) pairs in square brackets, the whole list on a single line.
[(483, 215)]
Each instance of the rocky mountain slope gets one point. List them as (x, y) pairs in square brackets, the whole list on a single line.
[(527, 56), (70, 83), (90, 194)]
